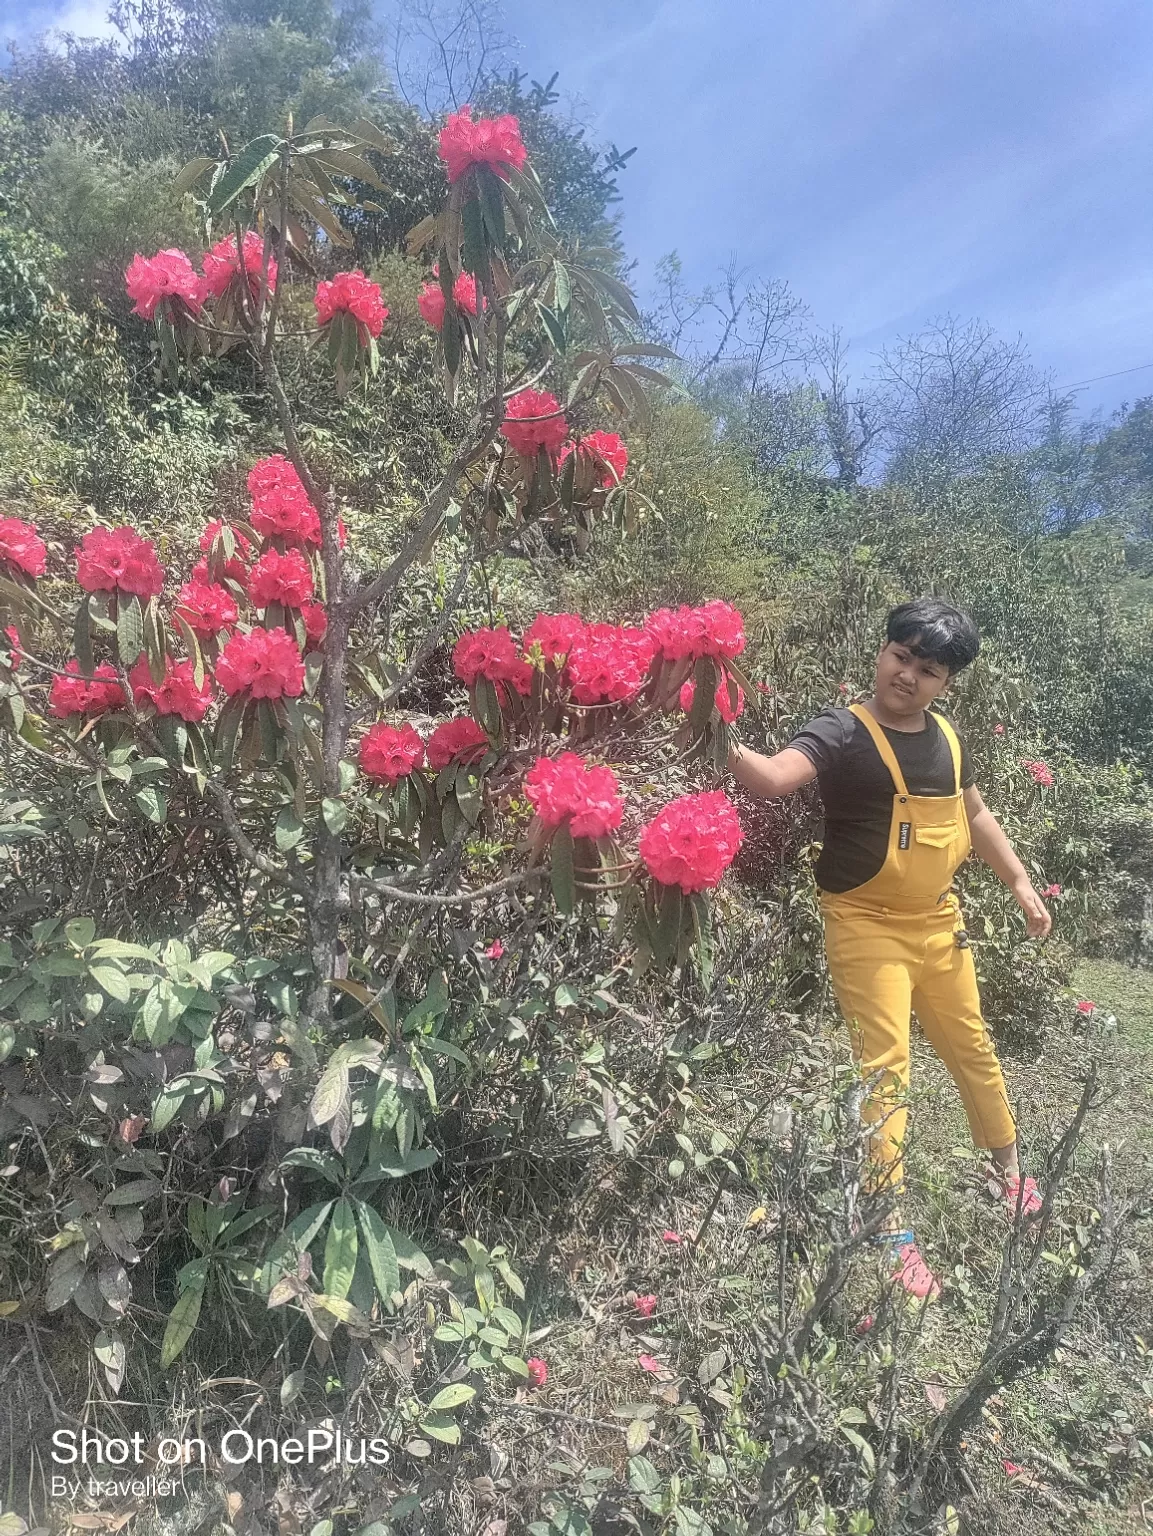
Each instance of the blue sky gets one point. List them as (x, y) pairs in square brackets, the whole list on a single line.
[(892, 159)]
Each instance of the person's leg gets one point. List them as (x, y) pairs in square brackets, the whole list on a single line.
[(870, 976), (948, 1006)]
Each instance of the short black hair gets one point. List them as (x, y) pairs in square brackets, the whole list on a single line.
[(934, 629)]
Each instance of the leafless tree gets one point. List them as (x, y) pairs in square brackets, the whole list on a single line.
[(851, 417), (955, 395), (444, 50)]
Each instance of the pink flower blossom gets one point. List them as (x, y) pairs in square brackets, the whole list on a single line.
[(1051, 890), (489, 653), (1039, 772), (206, 607), (21, 547), (430, 299), (353, 293), (714, 629), (118, 560), (495, 950), (998, 730), (167, 278), (650, 1363), (72, 694), (1085, 1006), (533, 419), (491, 141), (645, 1306), (461, 740), (176, 694), (692, 841), (555, 633), (609, 663), (537, 1371), (221, 266), (669, 1236), (265, 662), (391, 753), (570, 790), (277, 578), (604, 450)]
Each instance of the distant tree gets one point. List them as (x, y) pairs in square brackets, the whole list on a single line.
[(1070, 485), (954, 396), (1124, 465), (851, 417)]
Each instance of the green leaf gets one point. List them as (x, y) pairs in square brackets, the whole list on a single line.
[(441, 1428), (244, 170), (669, 922), (315, 1161), (562, 288), (153, 803), (82, 635), (452, 1397), (335, 814), (475, 254), (340, 1249), (112, 979), (182, 1320), (492, 204), (561, 870), (554, 326), (80, 931), (129, 628), (381, 1253), (191, 174), (289, 829)]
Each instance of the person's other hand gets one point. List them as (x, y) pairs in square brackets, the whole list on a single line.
[(1038, 922)]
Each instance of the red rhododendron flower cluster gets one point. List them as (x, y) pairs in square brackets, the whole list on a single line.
[(168, 275), (569, 789), (555, 633), (716, 629), (460, 740), (1085, 1006), (221, 266), (391, 753), (537, 1371), (645, 1305), (118, 560), (206, 607), (22, 547), (277, 578), (724, 703), (491, 141), (353, 293), (491, 653), (1039, 772), (430, 299), (280, 505), (76, 695), (533, 420), (692, 841), (609, 663), (315, 617), (1051, 890), (266, 663), (605, 449), (176, 694)]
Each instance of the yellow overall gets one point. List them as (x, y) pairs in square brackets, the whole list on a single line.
[(891, 947)]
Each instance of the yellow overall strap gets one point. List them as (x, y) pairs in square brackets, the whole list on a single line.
[(882, 744), (954, 745)]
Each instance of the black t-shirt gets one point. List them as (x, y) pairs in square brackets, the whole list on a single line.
[(858, 789)]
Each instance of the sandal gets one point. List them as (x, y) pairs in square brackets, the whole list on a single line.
[(1015, 1194), (909, 1269)]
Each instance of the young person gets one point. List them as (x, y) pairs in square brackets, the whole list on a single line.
[(901, 814)]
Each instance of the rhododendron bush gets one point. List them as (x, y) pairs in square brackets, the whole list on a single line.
[(253, 673)]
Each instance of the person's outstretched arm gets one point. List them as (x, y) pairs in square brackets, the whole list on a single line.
[(991, 844), (769, 777)]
